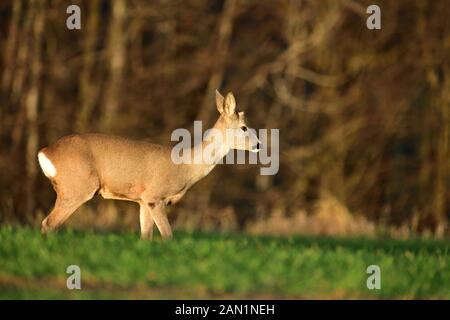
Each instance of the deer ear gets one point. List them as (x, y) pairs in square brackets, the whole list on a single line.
[(219, 101), (230, 104)]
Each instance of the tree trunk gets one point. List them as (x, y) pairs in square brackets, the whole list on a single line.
[(442, 158), (88, 89), (11, 48), (31, 103), (116, 54), (219, 56)]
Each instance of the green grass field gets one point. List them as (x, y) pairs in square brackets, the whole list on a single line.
[(119, 265)]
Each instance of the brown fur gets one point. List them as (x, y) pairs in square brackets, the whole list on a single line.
[(125, 169)]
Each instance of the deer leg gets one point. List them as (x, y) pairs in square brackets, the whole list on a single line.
[(61, 212), (146, 220), (69, 198), (160, 218)]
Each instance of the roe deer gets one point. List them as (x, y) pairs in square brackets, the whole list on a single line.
[(81, 165)]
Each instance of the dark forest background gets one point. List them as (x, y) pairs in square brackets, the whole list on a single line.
[(363, 114)]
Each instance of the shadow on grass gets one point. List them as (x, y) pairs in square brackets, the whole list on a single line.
[(386, 244)]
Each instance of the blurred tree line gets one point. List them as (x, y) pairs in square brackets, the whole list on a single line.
[(363, 114)]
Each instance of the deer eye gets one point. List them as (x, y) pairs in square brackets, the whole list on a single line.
[(244, 128)]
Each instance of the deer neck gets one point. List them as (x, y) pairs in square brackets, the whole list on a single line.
[(207, 154)]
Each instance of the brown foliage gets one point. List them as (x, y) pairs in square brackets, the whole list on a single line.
[(363, 115)]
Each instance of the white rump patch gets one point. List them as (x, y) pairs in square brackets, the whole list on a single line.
[(47, 166)]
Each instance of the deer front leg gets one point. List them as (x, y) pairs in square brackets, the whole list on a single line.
[(160, 218), (146, 221)]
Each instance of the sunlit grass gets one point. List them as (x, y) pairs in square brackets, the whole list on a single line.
[(199, 265)]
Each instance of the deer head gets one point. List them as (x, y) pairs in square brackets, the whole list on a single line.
[(233, 125)]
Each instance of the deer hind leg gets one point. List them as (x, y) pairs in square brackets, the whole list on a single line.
[(160, 218), (146, 220), (67, 201)]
